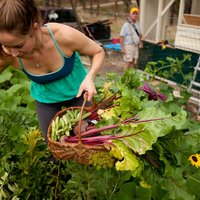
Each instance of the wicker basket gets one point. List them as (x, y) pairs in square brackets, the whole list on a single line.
[(72, 151)]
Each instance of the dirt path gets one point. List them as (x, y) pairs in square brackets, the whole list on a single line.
[(113, 60), (113, 63)]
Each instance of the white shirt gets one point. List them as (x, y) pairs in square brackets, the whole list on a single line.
[(129, 34)]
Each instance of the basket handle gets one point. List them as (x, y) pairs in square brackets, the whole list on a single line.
[(80, 120)]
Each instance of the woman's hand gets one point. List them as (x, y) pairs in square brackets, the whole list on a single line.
[(87, 86)]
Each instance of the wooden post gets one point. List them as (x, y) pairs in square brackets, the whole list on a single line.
[(142, 15), (91, 7), (98, 7), (116, 8), (159, 20), (84, 4), (181, 11), (76, 16)]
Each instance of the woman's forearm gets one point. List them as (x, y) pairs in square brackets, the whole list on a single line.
[(97, 62)]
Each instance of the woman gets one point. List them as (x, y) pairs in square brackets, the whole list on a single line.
[(49, 56)]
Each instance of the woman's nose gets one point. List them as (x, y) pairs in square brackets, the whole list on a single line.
[(14, 52)]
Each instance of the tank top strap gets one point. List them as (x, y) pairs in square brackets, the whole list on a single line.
[(21, 63), (54, 40)]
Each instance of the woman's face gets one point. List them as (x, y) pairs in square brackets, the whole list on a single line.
[(17, 46)]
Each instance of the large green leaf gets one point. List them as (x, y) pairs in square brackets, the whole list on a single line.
[(176, 186), (5, 75)]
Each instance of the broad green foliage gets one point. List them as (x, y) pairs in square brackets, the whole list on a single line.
[(129, 161), (153, 120), (155, 161), (157, 147), (14, 90), (169, 68)]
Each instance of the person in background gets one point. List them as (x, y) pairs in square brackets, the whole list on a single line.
[(130, 36), (49, 56)]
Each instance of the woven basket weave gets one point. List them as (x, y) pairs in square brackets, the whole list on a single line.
[(72, 151)]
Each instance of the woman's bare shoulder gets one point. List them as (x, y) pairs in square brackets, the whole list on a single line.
[(66, 36), (64, 33), (59, 29)]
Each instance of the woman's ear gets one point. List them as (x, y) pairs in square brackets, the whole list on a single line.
[(6, 50), (36, 26)]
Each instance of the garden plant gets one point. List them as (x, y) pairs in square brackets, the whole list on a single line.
[(159, 159)]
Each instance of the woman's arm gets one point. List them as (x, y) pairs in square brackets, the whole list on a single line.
[(88, 82), (74, 40)]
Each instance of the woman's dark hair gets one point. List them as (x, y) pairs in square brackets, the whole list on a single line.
[(18, 17)]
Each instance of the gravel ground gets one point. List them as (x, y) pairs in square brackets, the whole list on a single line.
[(113, 63)]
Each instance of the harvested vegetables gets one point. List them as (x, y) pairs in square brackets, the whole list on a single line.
[(129, 116), (63, 125)]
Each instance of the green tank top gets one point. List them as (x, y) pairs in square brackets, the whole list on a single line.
[(62, 89)]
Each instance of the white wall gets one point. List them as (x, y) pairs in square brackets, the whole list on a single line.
[(148, 15), (195, 7)]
